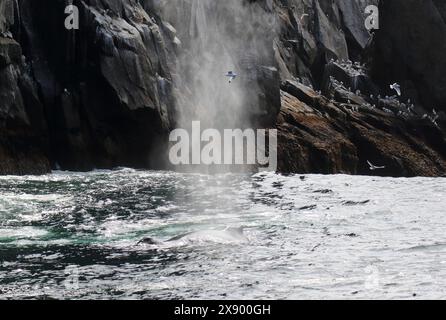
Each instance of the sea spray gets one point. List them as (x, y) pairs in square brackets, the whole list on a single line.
[(218, 37)]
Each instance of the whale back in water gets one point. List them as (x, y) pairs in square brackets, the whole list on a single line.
[(229, 235)]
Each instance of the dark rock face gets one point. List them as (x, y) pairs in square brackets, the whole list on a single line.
[(321, 136), (313, 32), (353, 117), (410, 49), (107, 95), (106, 91), (79, 99), (105, 87), (214, 37)]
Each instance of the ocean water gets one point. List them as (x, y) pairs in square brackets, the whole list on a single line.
[(75, 235)]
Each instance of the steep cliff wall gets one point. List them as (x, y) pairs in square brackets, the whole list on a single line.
[(108, 94), (410, 49), (23, 131), (314, 32)]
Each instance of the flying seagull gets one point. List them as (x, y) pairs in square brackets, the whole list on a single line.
[(396, 87), (373, 167), (433, 118), (231, 75)]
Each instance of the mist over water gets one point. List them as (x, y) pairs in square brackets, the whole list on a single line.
[(217, 37)]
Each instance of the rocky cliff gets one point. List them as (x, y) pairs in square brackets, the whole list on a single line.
[(339, 112), (106, 95)]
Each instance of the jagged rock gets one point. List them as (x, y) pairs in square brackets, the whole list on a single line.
[(23, 136), (216, 37), (115, 71), (313, 33), (10, 52), (107, 89), (313, 140), (107, 95), (410, 49)]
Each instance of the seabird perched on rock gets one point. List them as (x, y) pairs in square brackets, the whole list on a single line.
[(435, 117), (432, 118), (396, 87), (231, 75)]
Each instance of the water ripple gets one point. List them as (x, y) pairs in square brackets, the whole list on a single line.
[(74, 235)]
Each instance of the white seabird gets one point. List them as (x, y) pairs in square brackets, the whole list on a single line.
[(231, 75), (373, 167), (396, 87)]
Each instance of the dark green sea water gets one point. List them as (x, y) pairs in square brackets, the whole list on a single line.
[(74, 235)]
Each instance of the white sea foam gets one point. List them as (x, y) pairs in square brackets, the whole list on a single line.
[(310, 236)]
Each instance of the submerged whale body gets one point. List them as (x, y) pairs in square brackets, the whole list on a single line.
[(229, 235)]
